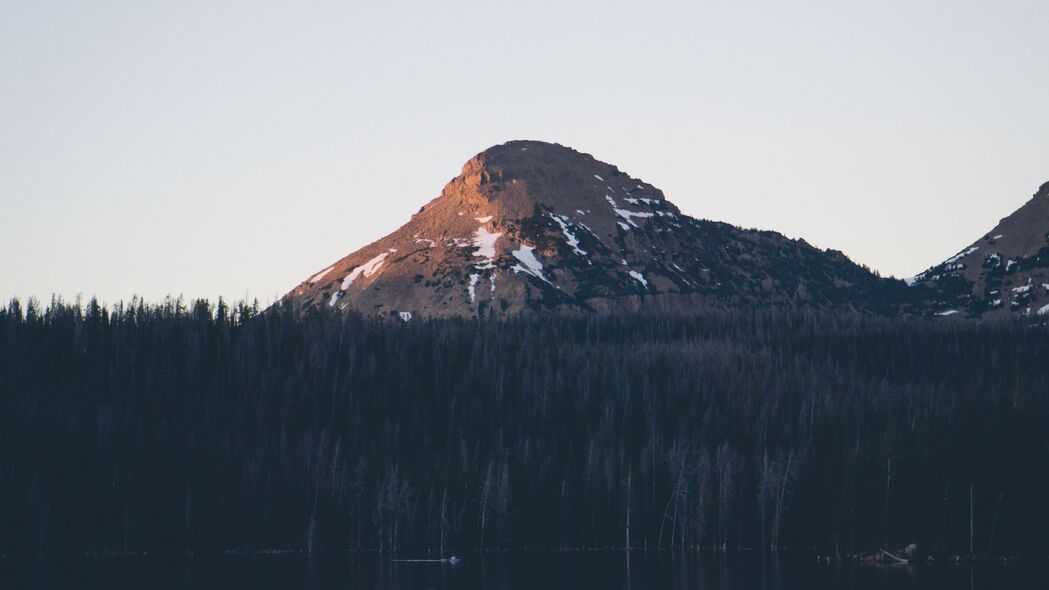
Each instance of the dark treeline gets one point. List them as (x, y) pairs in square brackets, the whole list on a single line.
[(205, 428)]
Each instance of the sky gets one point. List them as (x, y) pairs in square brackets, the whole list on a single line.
[(232, 149)]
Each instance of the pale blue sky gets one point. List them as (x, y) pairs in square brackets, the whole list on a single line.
[(234, 148)]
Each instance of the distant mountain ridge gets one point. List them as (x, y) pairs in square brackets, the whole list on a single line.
[(530, 226), (1003, 274)]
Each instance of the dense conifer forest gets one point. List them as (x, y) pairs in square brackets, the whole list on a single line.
[(207, 427)]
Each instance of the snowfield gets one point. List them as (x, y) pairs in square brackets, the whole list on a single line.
[(321, 274), (532, 266), (639, 278), (366, 270)]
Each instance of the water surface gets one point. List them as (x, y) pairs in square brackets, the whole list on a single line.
[(521, 571)]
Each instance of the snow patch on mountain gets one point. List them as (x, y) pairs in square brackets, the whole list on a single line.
[(961, 255), (626, 214), (484, 241), (366, 270), (532, 266), (321, 274), (572, 240)]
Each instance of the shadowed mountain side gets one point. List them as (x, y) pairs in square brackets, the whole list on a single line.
[(1003, 274)]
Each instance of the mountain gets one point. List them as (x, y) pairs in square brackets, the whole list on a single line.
[(530, 226), (1003, 274)]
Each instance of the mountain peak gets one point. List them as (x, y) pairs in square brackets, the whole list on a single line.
[(521, 155), (530, 226), (517, 176)]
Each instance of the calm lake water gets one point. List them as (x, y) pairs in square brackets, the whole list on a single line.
[(531, 571)]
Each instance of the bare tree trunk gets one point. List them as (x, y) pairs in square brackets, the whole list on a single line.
[(673, 496), (673, 520), (564, 483), (629, 481), (778, 518), (946, 494), (726, 478), (888, 485), (311, 526), (970, 519), (486, 490), (444, 517), (702, 479), (763, 500)]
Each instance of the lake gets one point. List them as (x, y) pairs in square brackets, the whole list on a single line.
[(518, 571)]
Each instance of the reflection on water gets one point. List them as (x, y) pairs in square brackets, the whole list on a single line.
[(539, 571)]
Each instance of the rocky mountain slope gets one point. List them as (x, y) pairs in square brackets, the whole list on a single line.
[(530, 226), (1003, 274)]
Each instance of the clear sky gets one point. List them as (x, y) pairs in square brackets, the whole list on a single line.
[(234, 148)]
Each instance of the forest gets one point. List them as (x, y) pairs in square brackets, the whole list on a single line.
[(206, 427)]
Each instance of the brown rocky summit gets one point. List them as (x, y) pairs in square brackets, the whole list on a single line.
[(530, 226)]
